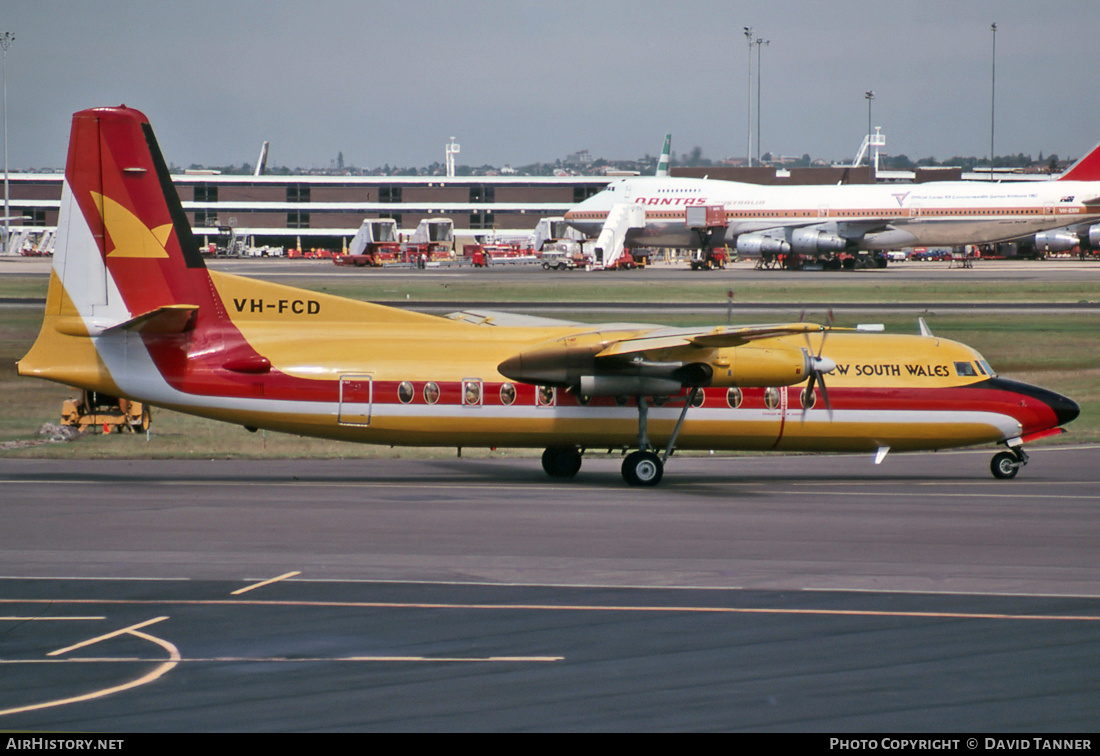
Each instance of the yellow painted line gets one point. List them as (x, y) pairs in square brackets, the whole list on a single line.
[(261, 584), (107, 636), (48, 619), (163, 668), (295, 660), (575, 608)]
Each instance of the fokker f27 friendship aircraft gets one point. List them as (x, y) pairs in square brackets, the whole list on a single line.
[(820, 219), (133, 311)]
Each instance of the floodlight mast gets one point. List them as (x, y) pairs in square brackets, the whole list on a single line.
[(6, 38), (748, 99)]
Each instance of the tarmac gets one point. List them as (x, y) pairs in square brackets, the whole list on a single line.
[(794, 592)]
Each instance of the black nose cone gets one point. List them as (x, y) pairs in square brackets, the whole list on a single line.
[(1065, 409)]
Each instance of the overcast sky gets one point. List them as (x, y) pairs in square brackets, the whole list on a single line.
[(520, 81)]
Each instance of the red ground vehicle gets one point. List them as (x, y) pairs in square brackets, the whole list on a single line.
[(375, 244), (432, 241)]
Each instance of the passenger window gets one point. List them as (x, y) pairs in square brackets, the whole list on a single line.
[(471, 392), (405, 392), (771, 397), (431, 392)]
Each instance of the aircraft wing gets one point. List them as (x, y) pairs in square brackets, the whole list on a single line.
[(657, 352), (709, 338), (499, 318)]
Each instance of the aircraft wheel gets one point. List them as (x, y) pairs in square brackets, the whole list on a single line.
[(643, 468), (1005, 465), (146, 419), (561, 461)]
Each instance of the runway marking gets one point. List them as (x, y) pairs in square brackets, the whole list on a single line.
[(48, 619), (610, 586), (403, 485), (295, 660), (70, 578), (961, 495), (131, 630), (560, 608), (263, 583), (135, 630)]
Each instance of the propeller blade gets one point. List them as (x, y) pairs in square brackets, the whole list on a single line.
[(819, 366), (809, 391), (825, 396)]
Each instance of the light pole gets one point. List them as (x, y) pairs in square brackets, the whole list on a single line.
[(759, 43), (748, 150), (992, 100), (870, 95), (6, 38)]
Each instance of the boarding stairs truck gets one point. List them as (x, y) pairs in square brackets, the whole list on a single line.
[(432, 241), (610, 249), (374, 244)]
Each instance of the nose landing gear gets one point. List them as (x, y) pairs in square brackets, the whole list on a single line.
[(1006, 464)]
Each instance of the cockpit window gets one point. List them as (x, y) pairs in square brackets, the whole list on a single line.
[(964, 369), (986, 367)]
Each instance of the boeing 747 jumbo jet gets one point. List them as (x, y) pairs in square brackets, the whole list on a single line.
[(133, 311), (654, 211)]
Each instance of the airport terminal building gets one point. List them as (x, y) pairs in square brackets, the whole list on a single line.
[(324, 212)]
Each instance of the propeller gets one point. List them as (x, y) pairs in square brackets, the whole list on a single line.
[(818, 367)]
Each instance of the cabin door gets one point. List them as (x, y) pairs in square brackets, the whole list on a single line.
[(356, 399)]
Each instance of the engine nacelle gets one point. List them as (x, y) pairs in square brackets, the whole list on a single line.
[(774, 365), (1094, 236), (1057, 241), (628, 385), (808, 241), (754, 244)]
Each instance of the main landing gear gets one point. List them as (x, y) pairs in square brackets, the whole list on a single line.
[(561, 461), (1006, 464), (644, 467)]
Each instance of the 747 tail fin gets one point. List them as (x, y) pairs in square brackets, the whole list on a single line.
[(1085, 169), (662, 162)]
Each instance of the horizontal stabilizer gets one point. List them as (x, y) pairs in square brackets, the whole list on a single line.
[(163, 320)]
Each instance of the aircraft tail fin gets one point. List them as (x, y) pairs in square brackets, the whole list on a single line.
[(1085, 169), (261, 163), (125, 247), (666, 151), (125, 258)]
